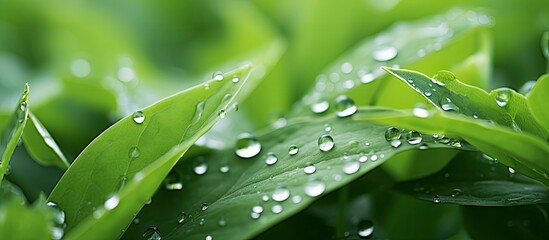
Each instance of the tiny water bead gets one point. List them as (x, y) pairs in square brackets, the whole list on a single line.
[(396, 143), (172, 182), (456, 192), (427, 93), (222, 222), (222, 113), (511, 170), (134, 152), (309, 169), (414, 137), (344, 106), (385, 53), (420, 111), (235, 79), (217, 76), (270, 158), (152, 233), (362, 158), (320, 106), (447, 105), (200, 168), (351, 167), (296, 199), (255, 216), (204, 206), (276, 209), (247, 145), (392, 133), (293, 150), (503, 96), (224, 168), (138, 117), (181, 217), (365, 229), (325, 143), (367, 78), (436, 199), (265, 198), (280, 194), (314, 189), (346, 68)]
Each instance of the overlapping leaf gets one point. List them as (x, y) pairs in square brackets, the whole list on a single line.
[(41, 146)]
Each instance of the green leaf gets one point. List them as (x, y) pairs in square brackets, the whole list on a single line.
[(19, 221), (132, 144), (503, 106), (41, 146), (520, 222), (219, 202), (476, 179), (538, 97), (520, 151), (13, 131)]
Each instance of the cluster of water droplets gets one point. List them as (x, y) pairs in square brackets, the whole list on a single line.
[(59, 221)]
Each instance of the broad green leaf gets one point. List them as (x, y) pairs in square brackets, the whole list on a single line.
[(503, 106), (19, 221), (538, 97), (519, 222), (476, 179), (521, 151), (425, 44), (545, 47), (220, 189), (12, 133), (41, 146), (136, 141)]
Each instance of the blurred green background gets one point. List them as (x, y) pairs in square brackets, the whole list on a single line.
[(91, 62)]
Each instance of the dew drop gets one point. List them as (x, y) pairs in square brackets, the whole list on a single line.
[(208, 238), (222, 222), (224, 168), (351, 167), (200, 168), (420, 111), (346, 68), (314, 189), (296, 199), (392, 133), (172, 182), (367, 78), (255, 216), (222, 113), (204, 206), (257, 208), (59, 214), (436, 199), (503, 96), (206, 86), (423, 146), (23, 106), (511, 170), (293, 150), (396, 143), (112, 202), (280, 194), (138, 117), (320, 106), (443, 77), (265, 198), (309, 169), (447, 105), (276, 209), (247, 145), (327, 128), (344, 106), (133, 153), (235, 79), (385, 53), (218, 76), (152, 233), (414, 137), (365, 228), (456, 192), (373, 158), (362, 158), (427, 93), (270, 158), (181, 217), (326, 143), (475, 116)]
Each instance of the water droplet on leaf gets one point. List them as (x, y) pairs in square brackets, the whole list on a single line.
[(152, 233), (320, 106), (280, 194), (325, 143), (293, 150), (414, 137), (138, 117), (247, 145), (276, 209), (270, 158), (314, 189), (351, 167), (309, 169), (447, 105), (385, 53), (344, 106), (365, 228), (392, 133)]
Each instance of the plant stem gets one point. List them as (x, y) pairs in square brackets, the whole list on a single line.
[(342, 211)]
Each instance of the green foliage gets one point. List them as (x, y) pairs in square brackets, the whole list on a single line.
[(300, 133)]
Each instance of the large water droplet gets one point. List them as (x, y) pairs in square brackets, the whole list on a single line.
[(447, 105), (181, 217), (320, 106), (344, 106), (502, 97), (152, 233), (280, 194), (293, 150), (443, 77), (420, 111), (314, 189), (385, 53), (173, 181), (138, 117), (365, 228), (58, 215), (276, 209), (309, 169), (351, 167), (414, 137), (112, 202), (392, 133), (325, 143), (270, 158), (247, 145)]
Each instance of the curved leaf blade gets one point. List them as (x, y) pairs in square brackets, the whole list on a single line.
[(219, 203), (41, 145), (538, 97), (130, 145), (503, 106), (477, 180), (13, 131)]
